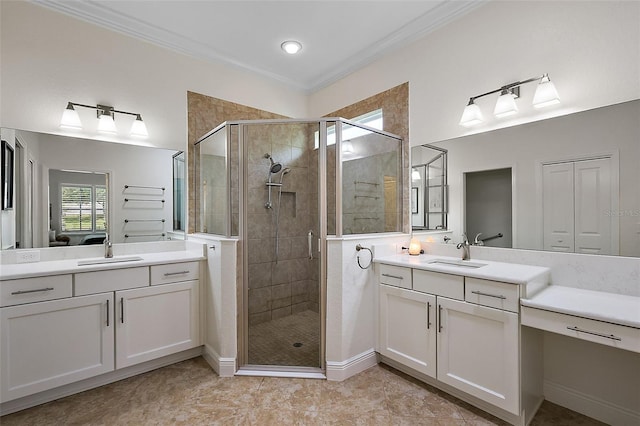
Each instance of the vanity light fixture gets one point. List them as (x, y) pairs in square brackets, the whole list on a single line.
[(106, 119), (291, 46), (347, 147), (545, 95)]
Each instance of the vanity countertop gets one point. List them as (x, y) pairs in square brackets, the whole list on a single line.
[(70, 266), (609, 307), (496, 271)]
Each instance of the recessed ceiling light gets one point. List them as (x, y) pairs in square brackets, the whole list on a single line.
[(291, 46)]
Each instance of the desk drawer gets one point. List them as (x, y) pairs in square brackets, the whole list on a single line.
[(396, 276), (175, 272), (492, 293), (614, 335), (38, 289)]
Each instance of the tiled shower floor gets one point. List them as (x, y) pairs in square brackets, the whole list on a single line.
[(190, 393), (293, 340)]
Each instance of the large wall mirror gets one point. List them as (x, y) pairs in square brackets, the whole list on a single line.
[(566, 184), (73, 191)]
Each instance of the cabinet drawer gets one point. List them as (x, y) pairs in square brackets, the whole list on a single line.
[(447, 285), (111, 280), (492, 293), (174, 272), (395, 275), (614, 335), (39, 289)]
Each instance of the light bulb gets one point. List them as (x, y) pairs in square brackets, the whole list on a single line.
[(106, 123), (70, 118), (546, 93), (471, 115), (291, 47), (506, 104), (138, 128)]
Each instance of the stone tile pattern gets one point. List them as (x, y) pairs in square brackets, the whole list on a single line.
[(370, 202), (289, 284), (395, 111), (204, 113), (291, 340), (190, 393)]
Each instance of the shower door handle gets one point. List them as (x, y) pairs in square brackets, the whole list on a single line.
[(310, 244)]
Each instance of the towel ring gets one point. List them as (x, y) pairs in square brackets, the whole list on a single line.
[(360, 247)]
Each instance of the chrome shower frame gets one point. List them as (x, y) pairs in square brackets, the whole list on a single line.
[(243, 368)]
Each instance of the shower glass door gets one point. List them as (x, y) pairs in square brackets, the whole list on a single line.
[(281, 231)]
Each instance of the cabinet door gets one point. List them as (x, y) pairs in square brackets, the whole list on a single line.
[(48, 344), (407, 328), (156, 321), (478, 352)]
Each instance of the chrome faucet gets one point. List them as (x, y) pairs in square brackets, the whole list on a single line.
[(464, 245), (108, 249), (477, 241)]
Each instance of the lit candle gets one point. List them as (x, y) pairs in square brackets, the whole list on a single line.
[(414, 247)]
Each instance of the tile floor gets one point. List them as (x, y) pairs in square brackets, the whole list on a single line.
[(190, 393), (293, 340)]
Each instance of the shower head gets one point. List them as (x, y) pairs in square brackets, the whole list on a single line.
[(275, 167), (284, 172)]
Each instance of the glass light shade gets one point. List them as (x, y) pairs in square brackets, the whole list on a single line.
[(138, 128), (415, 175), (506, 105), (347, 147), (291, 47), (546, 93), (70, 118), (414, 247), (106, 124), (471, 115)]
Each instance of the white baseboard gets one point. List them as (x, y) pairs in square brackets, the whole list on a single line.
[(225, 367), (589, 405), (94, 382), (341, 370)]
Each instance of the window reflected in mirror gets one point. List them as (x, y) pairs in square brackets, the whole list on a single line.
[(77, 207)]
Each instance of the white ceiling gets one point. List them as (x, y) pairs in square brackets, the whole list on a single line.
[(338, 37)]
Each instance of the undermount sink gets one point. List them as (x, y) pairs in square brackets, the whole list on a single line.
[(108, 260), (462, 263)]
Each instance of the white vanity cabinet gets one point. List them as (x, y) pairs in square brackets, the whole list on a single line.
[(478, 352), (461, 331), (155, 321), (48, 344), (100, 321), (407, 328)]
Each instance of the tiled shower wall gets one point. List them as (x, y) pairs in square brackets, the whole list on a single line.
[(290, 284)]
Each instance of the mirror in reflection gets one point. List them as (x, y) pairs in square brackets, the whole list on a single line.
[(428, 188)]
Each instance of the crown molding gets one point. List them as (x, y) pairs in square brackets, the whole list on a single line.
[(98, 14)]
